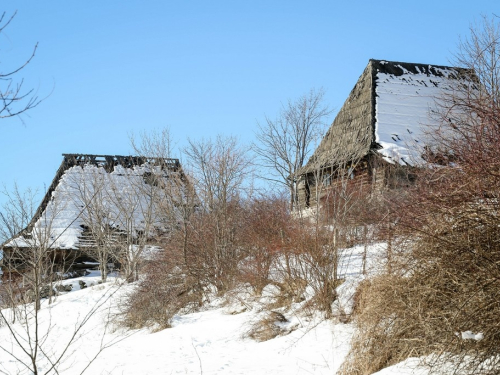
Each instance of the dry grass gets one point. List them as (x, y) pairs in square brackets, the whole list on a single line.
[(443, 285), (164, 291), (270, 326)]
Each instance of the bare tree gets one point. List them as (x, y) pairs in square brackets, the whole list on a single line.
[(16, 213), (14, 99), (171, 196), (202, 249), (285, 143), (29, 255), (178, 199), (100, 240), (140, 215), (27, 288), (220, 170), (156, 144), (122, 212)]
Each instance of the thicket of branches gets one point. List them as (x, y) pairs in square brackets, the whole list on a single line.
[(265, 245), (442, 298), (235, 237), (26, 321)]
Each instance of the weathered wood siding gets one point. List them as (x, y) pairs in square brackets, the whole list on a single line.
[(367, 177), (349, 138), (16, 260)]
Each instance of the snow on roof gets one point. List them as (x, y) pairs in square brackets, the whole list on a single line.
[(387, 112), (88, 195), (403, 102)]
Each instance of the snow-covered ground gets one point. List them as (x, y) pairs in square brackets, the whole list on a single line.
[(209, 342), (213, 341)]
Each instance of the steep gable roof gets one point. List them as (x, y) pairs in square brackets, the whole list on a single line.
[(121, 185), (385, 113)]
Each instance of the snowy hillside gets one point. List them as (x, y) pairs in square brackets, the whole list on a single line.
[(213, 341)]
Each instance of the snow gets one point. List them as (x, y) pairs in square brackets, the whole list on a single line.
[(350, 269), (469, 335), (208, 342), (411, 366), (403, 105), (58, 323), (212, 341), (84, 192)]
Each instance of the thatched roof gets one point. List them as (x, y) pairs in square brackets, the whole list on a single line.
[(122, 187), (384, 113)]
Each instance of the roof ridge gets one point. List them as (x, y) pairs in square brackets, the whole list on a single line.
[(413, 64)]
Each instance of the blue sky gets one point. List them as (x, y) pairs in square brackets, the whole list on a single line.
[(202, 68)]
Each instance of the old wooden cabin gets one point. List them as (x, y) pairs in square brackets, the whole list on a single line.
[(120, 196), (379, 133)]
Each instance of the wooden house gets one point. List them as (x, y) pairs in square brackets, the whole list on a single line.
[(380, 127), (122, 197)]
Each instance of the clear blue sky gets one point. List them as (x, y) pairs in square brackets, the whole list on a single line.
[(109, 68)]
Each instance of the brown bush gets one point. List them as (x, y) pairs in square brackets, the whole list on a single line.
[(165, 289), (439, 291), (210, 252), (266, 235), (269, 327), (256, 242), (445, 275)]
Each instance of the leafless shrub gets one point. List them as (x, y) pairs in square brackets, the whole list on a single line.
[(442, 294), (267, 226), (165, 289), (270, 326)]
